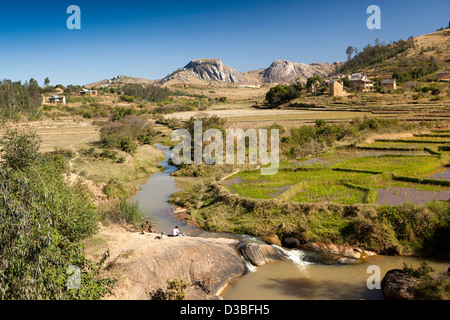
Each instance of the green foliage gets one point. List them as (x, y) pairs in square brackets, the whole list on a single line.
[(127, 98), (371, 55), (42, 223), (129, 212), (115, 189), (283, 93), (175, 290), (415, 72), (147, 92), (126, 133), (20, 149), (17, 98)]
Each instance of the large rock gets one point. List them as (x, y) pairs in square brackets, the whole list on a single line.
[(214, 69), (285, 71), (260, 254), (291, 242), (397, 285), (207, 265), (271, 239)]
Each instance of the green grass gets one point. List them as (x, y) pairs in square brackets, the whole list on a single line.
[(401, 165)]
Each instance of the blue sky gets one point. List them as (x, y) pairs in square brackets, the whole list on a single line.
[(150, 39)]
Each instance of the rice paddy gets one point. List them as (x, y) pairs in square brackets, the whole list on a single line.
[(390, 176)]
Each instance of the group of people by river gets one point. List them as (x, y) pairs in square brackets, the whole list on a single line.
[(147, 227)]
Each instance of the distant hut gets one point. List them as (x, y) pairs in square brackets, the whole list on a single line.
[(57, 99), (388, 84), (336, 87)]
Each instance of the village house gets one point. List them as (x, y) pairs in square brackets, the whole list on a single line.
[(85, 92), (442, 75), (336, 87), (57, 99), (388, 85), (360, 82)]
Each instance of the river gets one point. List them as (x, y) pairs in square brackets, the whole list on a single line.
[(293, 279)]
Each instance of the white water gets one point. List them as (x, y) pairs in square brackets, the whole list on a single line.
[(295, 255)]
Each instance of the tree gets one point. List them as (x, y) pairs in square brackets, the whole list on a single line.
[(349, 52), (20, 149), (46, 81)]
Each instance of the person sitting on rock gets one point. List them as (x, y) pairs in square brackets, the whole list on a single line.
[(144, 227), (150, 229), (176, 232)]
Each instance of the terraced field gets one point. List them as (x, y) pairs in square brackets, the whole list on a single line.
[(393, 175)]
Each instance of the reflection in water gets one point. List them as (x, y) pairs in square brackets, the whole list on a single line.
[(396, 196), (445, 175)]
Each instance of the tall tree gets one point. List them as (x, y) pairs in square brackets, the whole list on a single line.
[(46, 81), (349, 52)]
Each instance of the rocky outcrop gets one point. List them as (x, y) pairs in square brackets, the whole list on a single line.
[(213, 69), (207, 265), (329, 253), (285, 71), (278, 71), (397, 285), (260, 254)]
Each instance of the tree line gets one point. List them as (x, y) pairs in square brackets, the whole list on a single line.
[(17, 99)]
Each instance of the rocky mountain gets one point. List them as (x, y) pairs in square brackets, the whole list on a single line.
[(285, 71), (278, 71), (204, 71), (207, 69)]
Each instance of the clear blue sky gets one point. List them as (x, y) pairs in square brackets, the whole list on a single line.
[(150, 39)]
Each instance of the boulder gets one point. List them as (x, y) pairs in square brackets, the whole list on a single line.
[(259, 254), (271, 239), (291, 242), (398, 285)]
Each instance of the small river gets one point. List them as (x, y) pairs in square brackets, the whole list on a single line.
[(290, 280)]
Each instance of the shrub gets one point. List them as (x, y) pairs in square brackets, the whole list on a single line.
[(127, 98), (20, 149), (114, 189)]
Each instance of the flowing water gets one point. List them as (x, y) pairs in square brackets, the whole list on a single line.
[(295, 278)]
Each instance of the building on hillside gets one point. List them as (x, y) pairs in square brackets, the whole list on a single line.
[(336, 88), (388, 84), (57, 99), (442, 75), (86, 92), (360, 82)]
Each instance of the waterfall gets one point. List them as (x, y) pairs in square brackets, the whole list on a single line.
[(295, 255)]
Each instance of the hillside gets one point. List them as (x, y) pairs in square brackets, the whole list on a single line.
[(423, 55)]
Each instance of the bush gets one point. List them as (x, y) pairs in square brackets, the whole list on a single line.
[(126, 98), (175, 290), (20, 149), (128, 145), (42, 223), (114, 189), (283, 93)]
